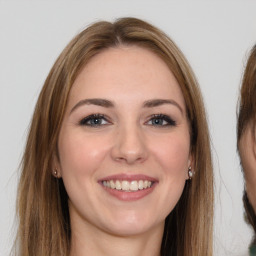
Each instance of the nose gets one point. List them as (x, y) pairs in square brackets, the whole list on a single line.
[(129, 146)]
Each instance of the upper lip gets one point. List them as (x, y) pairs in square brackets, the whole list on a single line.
[(129, 177)]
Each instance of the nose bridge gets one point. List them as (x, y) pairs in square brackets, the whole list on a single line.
[(130, 145)]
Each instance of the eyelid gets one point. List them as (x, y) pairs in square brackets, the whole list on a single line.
[(170, 121), (83, 121)]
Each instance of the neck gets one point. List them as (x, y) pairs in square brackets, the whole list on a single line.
[(94, 242)]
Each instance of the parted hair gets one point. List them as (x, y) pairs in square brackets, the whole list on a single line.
[(247, 119), (42, 202)]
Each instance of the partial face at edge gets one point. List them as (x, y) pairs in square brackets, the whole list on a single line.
[(247, 150), (126, 127)]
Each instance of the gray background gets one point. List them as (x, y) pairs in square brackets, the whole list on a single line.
[(215, 36)]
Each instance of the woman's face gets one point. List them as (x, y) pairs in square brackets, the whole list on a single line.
[(247, 150), (124, 145)]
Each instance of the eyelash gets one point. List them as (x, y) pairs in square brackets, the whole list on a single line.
[(85, 121), (100, 117), (162, 117)]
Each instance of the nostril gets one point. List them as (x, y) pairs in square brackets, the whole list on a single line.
[(129, 156), (129, 146)]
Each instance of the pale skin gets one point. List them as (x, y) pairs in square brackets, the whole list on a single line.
[(247, 150), (139, 128)]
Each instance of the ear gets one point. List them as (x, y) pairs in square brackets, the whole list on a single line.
[(190, 168), (56, 167)]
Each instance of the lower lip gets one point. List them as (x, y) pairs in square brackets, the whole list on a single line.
[(131, 195)]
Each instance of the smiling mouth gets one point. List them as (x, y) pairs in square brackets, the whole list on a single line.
[(128, 186)]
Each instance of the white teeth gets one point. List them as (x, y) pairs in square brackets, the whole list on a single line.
[(127, 185), (141, 184), (134, 185), (118, 185), (112, 184)]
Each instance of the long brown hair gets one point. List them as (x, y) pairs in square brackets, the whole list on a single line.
[(247, 119), (44, 225)]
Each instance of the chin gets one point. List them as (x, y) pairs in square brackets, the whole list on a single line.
[(129, 230), (132, 225)]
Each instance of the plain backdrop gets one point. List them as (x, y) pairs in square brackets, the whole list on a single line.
[(215, 36)]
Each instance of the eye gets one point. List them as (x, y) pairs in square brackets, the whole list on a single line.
[(161, 120), (94, 120)]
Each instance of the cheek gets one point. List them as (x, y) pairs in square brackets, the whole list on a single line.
[(248, 158), (81, 155), (173, 153)]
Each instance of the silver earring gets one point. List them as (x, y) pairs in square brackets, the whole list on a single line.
[(55, 173), (190, 173)]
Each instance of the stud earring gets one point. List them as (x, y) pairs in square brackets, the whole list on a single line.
[(190, 173), (55, 173)]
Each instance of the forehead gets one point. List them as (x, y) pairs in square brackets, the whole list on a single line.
[(129, 71)]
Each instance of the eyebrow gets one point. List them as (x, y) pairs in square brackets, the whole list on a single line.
[(159, 102), (98, 102), (109, 104)]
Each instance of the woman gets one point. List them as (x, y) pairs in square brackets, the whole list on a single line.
[(246, 139), (118, 159)]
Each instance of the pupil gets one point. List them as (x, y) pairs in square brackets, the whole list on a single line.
[(157, 121), (96, 121)]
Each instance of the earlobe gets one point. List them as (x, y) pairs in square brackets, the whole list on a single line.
[(56, 170), (56, 173), (190, 171)]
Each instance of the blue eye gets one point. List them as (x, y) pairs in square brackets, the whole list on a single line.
[(161, 120), (94, 120)]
